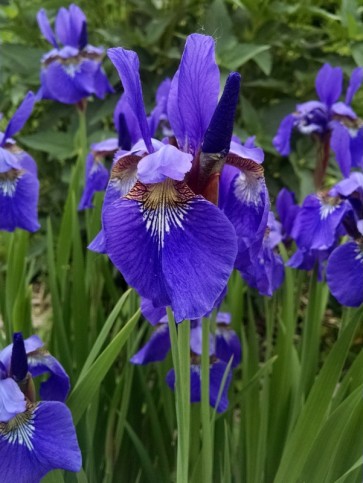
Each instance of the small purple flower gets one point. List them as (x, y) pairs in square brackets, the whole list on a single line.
[(74, 71), (19, 185), (35, 437), (328, 116), (345, 264), (265, 268), (224, 347), (163, 196)]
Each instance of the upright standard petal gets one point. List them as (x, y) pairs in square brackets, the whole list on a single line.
[(45, 27), (345, 274), (181, 262), (287, 210), (20, 117), (37, 441), (355, 82), (127, 65), (126, 123), (281, 141), (329, 83), (194, 92), (96, 180)]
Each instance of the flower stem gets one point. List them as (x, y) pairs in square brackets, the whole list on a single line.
[(207, 443), (322, 162), (180, 349)]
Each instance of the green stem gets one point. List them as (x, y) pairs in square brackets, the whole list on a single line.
[(180, 350), (207, 443)]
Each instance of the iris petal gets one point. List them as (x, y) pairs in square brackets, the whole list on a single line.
[(345, 274), (38, 441), (167, 243)]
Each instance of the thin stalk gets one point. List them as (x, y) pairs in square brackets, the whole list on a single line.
[(207, 443), (180, 350)]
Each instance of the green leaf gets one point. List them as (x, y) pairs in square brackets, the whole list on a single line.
[(58, 144), (264, 61), (88, 385), (233, 59), (314, 412)]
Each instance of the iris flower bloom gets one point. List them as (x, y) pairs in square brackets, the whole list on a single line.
[(19, 185), (128, 134), (35, 437), (345, 264), (224, 346), (163, 228), (328, 116), (73, 71)]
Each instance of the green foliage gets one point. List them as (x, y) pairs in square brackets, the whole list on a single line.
[(295, 404)]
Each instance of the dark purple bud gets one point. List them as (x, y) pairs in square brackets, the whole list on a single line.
[(218, 136), (19, 361), (124, 138), (83, 38)]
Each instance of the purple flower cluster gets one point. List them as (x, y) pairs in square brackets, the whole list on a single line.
[(181, 213), (35, 437), (317, 227), (224, 351), (72, 70), (19, 185), (329, 119)]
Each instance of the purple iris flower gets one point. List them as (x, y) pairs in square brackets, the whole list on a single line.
[(328, 116), (73, 71), (224, 346), (345, 264), (162, 225), (35, 437), (19, 185), (97, 176), (265, 269), (287, 209)]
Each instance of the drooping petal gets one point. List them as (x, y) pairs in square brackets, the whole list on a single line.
[(156, 349), (69, 83), (329, 83), (216, 374), (355, 82), (345, 274), (281, 141), (287, 210), (12, 401), (19, 193), (247, 205), (101, 83), (152, 314), (57, 386), (253, 152), (228, 345), (317, 222), (127, 65), (194, 92), (45, 27), (180, 263), (38, 441), (20, 117), (167, 162), (196, 339), (96, 180)]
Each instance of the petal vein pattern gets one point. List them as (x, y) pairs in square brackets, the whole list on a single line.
[(19, 430), (163, 206), (167, 241)]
